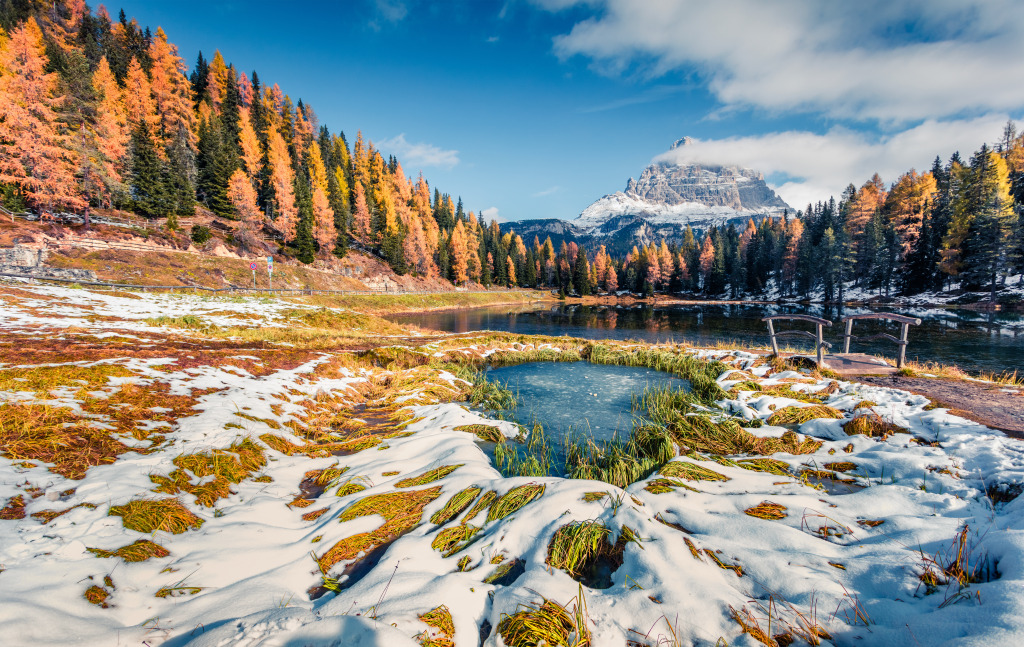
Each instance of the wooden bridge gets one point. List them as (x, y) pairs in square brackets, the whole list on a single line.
[(846, 363)]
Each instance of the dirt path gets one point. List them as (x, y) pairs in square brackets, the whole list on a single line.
[(993, 406)]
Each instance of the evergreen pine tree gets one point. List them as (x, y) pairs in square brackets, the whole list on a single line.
[(149, 194)]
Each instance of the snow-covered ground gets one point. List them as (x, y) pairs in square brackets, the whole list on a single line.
[(244, 576)]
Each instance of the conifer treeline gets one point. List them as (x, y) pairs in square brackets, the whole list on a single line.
[(100, 113), (958, 224)]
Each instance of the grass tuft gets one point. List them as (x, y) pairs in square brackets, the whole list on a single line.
[(439, 619), (486, 433), (15, 508), (149, 515), (577, 547), (138, 551), (549, 623), (768, 465), (767, 510), (402, 511), (429, 476), (214, 471), (800, 415), (873, 425), (455, 505), (514, 500), (483, 503), (97, 595), (690, 472), (451, 540)]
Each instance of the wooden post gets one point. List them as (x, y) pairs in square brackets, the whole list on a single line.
[(771, 335), (820, 345), (847, 336), (901, 358)]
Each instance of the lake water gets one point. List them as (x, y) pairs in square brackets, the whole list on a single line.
[(975, 341), (591, 398)]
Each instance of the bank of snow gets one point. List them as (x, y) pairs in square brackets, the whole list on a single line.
[(251, 566)]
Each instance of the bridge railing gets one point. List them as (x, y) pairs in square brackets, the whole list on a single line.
[(904, 321), (819, 342)]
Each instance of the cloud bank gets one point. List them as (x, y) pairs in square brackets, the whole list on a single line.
[(870, 59), (821, 165)]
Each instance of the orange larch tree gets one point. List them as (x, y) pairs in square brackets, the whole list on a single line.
[(243, 198), (252, 156), (171, 90), (138, 97), (324, 231), (361, 217), (459, 253), (33, 153), (281, 180)]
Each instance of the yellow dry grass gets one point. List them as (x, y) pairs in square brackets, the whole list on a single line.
[(767, 510), (138, 551), (216, 470), (149, 515), (402, 511)]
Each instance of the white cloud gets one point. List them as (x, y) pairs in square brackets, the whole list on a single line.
[(392, 10), (819, 166), (902, 61), (418, 155), (490, 213), (493, 39), (546, 192)]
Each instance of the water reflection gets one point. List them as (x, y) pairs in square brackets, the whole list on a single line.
[(975, 341)]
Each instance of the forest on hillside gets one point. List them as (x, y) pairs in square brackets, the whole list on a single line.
[(98, 113), (959, 224)]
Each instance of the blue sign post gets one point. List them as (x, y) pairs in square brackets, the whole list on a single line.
[(252, 266), (270, 271)]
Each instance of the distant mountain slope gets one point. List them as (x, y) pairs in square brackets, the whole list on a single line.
[(699, 195), (660, 204)]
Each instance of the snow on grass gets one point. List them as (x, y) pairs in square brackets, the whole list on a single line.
[(887, 538)]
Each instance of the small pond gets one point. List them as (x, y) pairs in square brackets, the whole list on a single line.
[(565, 397)]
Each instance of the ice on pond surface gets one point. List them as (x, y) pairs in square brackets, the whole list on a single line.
[(579, 396)]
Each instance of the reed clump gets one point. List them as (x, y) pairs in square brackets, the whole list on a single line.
[(767, 510), (577, 547), (441, 632), (402, 512), (690, 472), (149, 515), (138, 551), (431, 475), (451, 540), (873, 425), (216, 470), (513, 501), (548, 623), (486, 433), (800, 415), (483, 503), (455, 505)]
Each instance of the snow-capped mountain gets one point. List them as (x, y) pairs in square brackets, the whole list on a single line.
[(699, 195), (662, 203)]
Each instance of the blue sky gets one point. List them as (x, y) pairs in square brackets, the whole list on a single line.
[(536, 108)]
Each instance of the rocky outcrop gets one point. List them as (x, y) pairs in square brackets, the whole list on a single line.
[(697, 194), (24, 260)]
